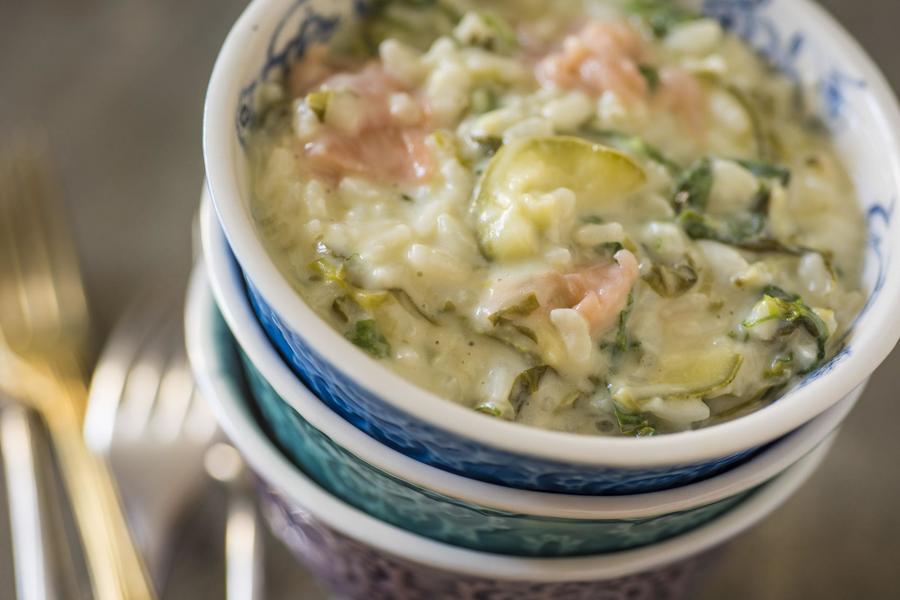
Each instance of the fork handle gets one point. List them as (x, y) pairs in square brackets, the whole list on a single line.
[(27, 505), (116, 570)]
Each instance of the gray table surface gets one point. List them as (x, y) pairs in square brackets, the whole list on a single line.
[(119, 84)]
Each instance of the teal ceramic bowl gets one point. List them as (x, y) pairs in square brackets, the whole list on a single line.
[(460, 511)]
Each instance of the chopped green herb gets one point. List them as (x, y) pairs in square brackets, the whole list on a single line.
[(694, 186), (489, 145), (525, 385), (636, 424), (671, 281), (489, 409), (746, 231), (502, 39), (369, 300), (611, 248), (521, 309), (780, 366), (766, 170), (623, 342), (651, 76), (329, 269), (792, 313), (414, 22), (632, 144), (661, 16), (761, 199), (527, 332), (332, 268), (318, 103), (711, 229), (366, 335), (766, 142)]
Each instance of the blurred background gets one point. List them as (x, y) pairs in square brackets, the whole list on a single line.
[(119, 86)]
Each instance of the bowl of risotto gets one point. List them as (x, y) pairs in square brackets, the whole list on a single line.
[(608, 248), (446, 507), (358, 556)]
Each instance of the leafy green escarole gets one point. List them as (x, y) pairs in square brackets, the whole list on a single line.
[(789, 313), (670, 281), (765, 170), (661, 16), (366, 335), (636, 424), (523, 387), (623, 341), (631, 144), (414, 22), (748, 230), (521, 309), (352, 305), (694, 186)]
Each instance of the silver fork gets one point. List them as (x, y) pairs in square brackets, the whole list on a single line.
[(146, 416), (27, 502)]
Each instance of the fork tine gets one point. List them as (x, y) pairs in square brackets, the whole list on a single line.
[(134, 330), (65, 283), (175, 389), (39, 292), (11, 303), (144, 379), (40, 248), (200, 424), (173, 401), (36, 287)]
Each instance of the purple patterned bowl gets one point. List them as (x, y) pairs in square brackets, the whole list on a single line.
[(857, 105), (360, 557)]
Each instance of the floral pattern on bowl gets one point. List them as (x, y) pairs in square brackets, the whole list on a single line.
[(853, 100), (355, 571)]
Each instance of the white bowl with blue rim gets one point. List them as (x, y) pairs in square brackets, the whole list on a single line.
[(856, 104), (446, 507), (359, 556)]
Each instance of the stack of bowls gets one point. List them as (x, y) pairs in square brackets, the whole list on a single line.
[(387, 491)]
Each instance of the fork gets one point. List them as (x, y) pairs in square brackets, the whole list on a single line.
[(44, 347), (146, 416), (27, 501)]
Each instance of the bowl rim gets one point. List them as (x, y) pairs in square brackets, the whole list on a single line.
[(224, 398), (220, 149), (224, 279)]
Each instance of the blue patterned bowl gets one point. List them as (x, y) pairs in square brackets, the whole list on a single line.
[(360, 557), (856, 103), (449, 508)]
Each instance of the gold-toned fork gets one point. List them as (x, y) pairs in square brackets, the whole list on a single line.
[(44, 348)]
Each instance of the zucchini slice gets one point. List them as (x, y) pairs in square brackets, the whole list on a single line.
[(694, 375), (600, 177)]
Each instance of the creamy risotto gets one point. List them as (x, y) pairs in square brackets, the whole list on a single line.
[(601, 217)]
